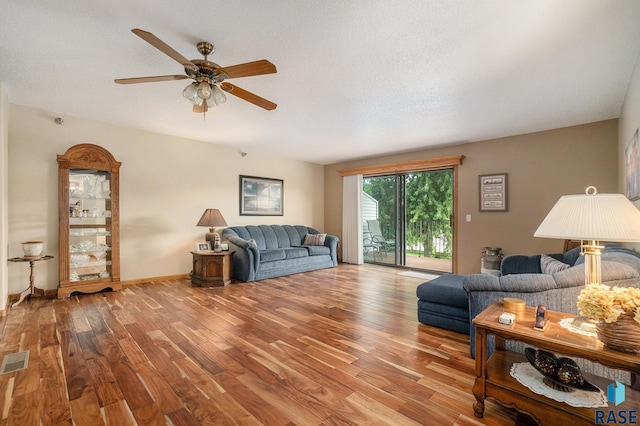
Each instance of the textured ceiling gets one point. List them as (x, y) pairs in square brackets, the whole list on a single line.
[(355, 78)]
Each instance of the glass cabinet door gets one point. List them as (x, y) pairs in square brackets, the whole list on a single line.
[(89, 225)]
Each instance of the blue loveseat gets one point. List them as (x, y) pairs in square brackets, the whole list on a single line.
[(268, 251)]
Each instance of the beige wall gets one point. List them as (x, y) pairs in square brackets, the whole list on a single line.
[(628, 124), (166, 184), (541, 166)]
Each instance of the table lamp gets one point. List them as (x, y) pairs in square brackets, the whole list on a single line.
[(212, 218), (592, 218)]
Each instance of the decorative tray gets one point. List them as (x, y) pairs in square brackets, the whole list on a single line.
[(551, 381)]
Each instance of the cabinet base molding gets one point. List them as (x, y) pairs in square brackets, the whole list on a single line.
[(64, 292)]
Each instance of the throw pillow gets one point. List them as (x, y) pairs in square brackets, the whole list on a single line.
[(549, 265), (314, 239)]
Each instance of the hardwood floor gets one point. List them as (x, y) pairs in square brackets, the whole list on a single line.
[(330, 347)]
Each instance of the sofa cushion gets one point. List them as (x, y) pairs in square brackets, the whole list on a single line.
[(314, 239), (549, 265), (295, 252), (445, 290), (317, 250), (272, 255)]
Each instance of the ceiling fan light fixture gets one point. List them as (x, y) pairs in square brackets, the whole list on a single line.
[(191, 91), (208, 76), (218, 95), (198, 101), (204, 90)]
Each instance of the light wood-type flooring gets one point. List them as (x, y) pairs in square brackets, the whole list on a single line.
[(340, 346)]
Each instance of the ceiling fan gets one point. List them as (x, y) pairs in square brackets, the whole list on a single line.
[(208, 85)]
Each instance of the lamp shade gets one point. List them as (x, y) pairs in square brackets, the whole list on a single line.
[(212, 218), (592, 216)]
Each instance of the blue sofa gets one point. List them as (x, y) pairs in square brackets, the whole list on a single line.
[(522, 278), (268, 251)]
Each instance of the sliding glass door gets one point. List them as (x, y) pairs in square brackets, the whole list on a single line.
[(407, 220)]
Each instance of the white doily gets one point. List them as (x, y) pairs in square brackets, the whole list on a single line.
[(568, 324), (528, 376)]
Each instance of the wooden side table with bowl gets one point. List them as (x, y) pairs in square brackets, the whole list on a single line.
[(32, 254), (493, 374)]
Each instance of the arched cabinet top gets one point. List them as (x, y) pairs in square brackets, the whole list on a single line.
[(88, 156)]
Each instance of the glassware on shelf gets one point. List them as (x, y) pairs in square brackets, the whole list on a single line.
[(99, 254)]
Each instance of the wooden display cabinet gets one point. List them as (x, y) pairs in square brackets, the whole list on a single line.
[(89, 241)]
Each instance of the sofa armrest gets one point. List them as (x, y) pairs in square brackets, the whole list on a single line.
[(246, 258), (331, 241)]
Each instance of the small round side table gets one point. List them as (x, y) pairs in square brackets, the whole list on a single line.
[(32, 289)]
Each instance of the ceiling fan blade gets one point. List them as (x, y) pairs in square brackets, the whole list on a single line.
[(248, 96), (149, 79), (249, 69), (163, 47)]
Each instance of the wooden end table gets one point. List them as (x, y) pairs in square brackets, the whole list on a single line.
[(493, 378), (32, 289), (211, 268)]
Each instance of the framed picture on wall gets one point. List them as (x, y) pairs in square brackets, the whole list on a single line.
[(493, 192), (261, 196), (631, 169)]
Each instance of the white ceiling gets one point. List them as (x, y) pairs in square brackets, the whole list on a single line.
[(356, 78)]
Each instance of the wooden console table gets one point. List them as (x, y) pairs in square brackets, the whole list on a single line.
[(211, 268), (32, 289), (493, 378)]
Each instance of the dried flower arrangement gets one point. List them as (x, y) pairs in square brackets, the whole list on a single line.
[(601, 302)]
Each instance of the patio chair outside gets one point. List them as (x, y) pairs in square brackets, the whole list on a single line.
[(383, 244)]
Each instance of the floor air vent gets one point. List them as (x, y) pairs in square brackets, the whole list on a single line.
[(14, 362)]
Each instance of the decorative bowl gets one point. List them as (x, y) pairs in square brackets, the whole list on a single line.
[(99, 254), (623, 335), (552, 380), (32, 248)]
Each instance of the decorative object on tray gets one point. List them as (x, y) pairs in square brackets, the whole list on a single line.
[(515, 306), (617, 310), (32, 248), (561, 374), (527, 375)]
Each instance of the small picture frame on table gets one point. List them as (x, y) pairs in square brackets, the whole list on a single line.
[(206, 246)]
